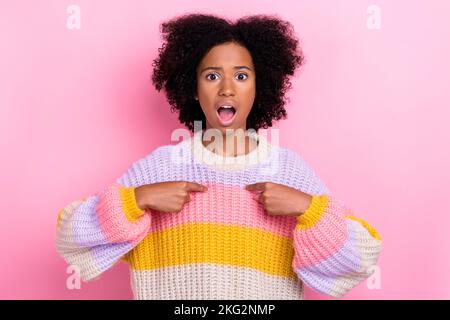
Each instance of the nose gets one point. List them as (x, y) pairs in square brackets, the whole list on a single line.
[(227, 88)]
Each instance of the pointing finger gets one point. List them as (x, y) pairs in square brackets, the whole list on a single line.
[(193, 186), (259, 186)]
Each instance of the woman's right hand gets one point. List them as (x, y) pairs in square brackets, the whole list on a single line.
[(166, 196)]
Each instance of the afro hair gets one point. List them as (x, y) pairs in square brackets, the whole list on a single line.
[(188, 38)]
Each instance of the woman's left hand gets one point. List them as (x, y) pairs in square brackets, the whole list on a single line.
[(279, 199)]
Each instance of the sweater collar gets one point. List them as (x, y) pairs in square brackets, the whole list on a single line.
[(231, 163)]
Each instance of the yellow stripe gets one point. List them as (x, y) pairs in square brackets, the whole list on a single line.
[(130, 207), (58, 219), (313, 214), (214, 243), (369, 228)]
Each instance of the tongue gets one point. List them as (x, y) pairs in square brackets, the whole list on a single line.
[(226, 114)]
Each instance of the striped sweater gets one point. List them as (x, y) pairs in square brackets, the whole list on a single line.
[(222, 244)]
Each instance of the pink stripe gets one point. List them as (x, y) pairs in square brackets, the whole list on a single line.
[(224, 204), (113, 221), (324, 239)]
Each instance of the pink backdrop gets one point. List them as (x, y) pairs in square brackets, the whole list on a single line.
[(369, 112)]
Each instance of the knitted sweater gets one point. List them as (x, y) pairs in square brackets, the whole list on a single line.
[(222, 244)]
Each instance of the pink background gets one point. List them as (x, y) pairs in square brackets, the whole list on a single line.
[(369, 112)]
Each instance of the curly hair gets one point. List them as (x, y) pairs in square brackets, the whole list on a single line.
[(188, 38)]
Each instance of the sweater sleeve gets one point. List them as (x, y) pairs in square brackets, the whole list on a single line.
[(333, 249), (97, 232)]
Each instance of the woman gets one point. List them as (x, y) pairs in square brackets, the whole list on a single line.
[(234, 217)]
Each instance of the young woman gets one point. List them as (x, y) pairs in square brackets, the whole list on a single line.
[(229, 217)]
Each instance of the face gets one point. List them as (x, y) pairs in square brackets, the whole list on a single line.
[(226, 77)]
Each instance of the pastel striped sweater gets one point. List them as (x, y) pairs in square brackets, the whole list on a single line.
[(222, 244)]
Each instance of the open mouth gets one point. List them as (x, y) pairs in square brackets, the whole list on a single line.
[(226, 113)]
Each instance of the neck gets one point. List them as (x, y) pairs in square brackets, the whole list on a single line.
[(218, 160), (230, 145)]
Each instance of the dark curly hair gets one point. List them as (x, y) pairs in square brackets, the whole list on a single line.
[(270, 41)]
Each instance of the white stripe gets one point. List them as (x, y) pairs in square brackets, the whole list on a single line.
[(212, 281), (369, 250), (68, 249)]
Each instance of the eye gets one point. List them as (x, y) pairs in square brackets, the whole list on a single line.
[(242, 74), (211, 74)]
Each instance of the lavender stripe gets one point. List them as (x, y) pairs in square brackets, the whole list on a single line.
[(289, 169), (107, 254), (327, 270), (86, 231)]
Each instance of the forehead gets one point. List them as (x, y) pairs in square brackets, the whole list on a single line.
[(229, 53)]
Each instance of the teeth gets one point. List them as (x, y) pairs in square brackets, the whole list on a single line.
[(226, 107)]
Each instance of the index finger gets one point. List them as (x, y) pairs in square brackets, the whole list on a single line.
[(193, 186), (255, 186)]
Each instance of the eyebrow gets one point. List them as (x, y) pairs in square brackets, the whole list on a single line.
[(220, 68)]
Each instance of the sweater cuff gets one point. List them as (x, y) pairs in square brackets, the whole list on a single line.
[(130, 207), (314, 213), (372, 231)]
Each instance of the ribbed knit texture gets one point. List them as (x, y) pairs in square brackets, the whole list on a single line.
[(222, 244)]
